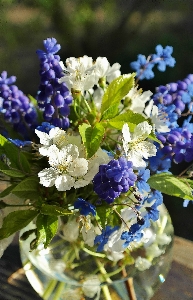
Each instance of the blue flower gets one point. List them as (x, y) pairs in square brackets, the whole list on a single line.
[(154, 196), (85, 207), (163, 57), (159, 163), (102, 239), (134, 234), (143, 67), (142, 177), (20, 143), (45, 127)]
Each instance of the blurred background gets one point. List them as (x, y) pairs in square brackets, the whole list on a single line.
[(117, 29)]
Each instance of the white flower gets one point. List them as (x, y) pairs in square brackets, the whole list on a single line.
[(113, 72), (91, 286), (163, 239), (101, 67), (157, 118), (135, 146), (97, 97), (71, 230), (89, 235), (58, 137), (138, 99), (115, 243), (79, 73), (66, 168), (142, 264), (153, 251)]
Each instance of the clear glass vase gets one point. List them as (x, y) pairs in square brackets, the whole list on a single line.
[(66, 271)]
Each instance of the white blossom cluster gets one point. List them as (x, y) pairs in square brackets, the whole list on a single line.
[(67, 159)]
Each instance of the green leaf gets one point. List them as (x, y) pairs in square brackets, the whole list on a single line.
[(15, 221), (27, 188), (129, 117), (54, 210), (110, 112), (13, 173), (102, 212), (116, 90), (47, 227), (14, 154), (91, 137), (8, 190), (170, 185)]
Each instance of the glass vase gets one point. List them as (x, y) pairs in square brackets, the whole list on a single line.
[(66, 270)]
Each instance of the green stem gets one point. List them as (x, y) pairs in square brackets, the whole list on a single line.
[(93, 253), (48, 291), (86, 103), (105, 288), (59, 291), (106, 292)]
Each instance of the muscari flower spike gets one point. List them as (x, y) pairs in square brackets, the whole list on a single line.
[(114, 178)]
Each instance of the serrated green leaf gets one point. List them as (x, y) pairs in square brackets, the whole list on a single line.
[(91, 137), (110, 112), (170, 185), (27, 188), (47, 227), (116, 90), (54, 210), (15, 221), (8, 190), (14, 154), (129, 117), (13, 173)]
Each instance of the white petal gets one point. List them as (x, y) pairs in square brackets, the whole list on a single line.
[(78, 167), (47, 177), (69, 150), (102, 66), (81, 183), (64, 182), (44, 138), (143, 129), (54, 155), (126, 133), (89, 236)]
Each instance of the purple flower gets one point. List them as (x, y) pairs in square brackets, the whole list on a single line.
[(53, 98), (114, 178), (85, 207)]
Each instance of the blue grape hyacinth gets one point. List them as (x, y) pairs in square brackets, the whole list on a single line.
[(53, 98), (114, 178)]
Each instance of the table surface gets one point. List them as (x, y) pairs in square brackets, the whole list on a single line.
[(178, 285)]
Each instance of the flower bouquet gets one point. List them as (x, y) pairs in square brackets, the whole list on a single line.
[(87, 160)]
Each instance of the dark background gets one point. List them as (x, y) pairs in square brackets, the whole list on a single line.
[(117, 29)]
